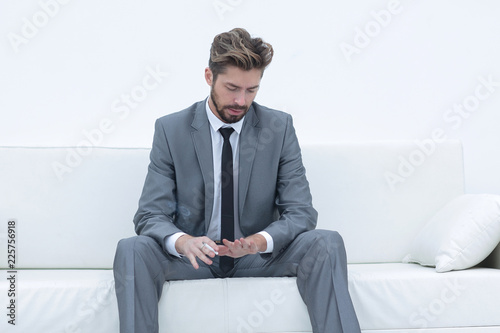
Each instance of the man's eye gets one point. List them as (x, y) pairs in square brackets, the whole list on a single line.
[(231, 88)]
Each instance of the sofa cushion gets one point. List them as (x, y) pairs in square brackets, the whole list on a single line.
[(61, 301), (395, 296), (73, 206), (385, 296), (379, 193), (240, 305), (460, 235), (84, 301), (74, 219)]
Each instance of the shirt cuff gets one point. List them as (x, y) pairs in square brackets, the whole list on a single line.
[(170, 242), (269, 240)]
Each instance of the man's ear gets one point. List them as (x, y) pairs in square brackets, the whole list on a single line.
[(209, 76)]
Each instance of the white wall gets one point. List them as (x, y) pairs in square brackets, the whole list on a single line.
[(346, 70)]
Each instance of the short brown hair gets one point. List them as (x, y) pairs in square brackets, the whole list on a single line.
[(238, 48)]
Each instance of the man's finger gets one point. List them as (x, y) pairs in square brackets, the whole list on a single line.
[(250, 245), (203, 257), (192, 259), (223, 250)]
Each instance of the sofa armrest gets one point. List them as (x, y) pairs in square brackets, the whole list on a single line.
[(493, 260)]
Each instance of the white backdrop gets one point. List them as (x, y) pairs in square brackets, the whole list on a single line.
[(98, 73)]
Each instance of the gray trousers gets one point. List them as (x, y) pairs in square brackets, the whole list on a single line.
[(317, 258)]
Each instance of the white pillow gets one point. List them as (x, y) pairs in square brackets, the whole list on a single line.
[(460, 235)]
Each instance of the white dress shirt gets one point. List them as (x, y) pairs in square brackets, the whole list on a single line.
[(217, 142)]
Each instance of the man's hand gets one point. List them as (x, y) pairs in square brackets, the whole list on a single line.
[(243, 246), (192, 247)]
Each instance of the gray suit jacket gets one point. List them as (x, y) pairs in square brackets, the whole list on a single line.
[(178, 192)]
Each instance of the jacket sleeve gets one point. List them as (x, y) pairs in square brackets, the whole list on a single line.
[(293, 196), (157, 204)]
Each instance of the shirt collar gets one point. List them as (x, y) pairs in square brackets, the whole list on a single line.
[(216, 123)]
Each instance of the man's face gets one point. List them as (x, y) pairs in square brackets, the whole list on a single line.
[(232, 92)]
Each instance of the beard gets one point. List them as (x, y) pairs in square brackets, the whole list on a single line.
[(223, 111)]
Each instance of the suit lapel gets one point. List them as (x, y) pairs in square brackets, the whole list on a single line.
[(202, 141), (249, 139)]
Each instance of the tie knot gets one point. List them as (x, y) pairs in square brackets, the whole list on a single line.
[(226, 132)]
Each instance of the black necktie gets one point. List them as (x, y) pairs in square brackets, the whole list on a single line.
[(227, 197)]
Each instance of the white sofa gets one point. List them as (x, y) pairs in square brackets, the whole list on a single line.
[(72, 205)]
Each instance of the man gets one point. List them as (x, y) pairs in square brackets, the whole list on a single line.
[(226, 177)]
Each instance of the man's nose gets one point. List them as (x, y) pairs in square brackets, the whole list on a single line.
[(240, 99)]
